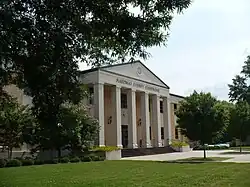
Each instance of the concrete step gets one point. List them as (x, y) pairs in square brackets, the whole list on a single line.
[(146, 151)]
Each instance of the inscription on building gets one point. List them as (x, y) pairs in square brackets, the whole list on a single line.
[(137, 85)]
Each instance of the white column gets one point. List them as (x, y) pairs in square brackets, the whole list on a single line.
[(132, 129), (167, 121), (145, 120), (116, 107), (99, 111), (156, 121)]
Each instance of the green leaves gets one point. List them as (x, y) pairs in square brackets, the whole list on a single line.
[(13, 121), (201, 117), (240, 119), (239, 90), (42, 42)]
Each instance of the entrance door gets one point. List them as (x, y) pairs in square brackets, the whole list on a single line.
[(125, 136)]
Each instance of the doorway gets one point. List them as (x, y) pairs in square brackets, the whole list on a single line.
[(125, 136)]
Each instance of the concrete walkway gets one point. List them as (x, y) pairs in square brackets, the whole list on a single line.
[(239, 158)]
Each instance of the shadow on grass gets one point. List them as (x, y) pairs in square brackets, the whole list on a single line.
[(235, 153), (194, 160), (182, 162)]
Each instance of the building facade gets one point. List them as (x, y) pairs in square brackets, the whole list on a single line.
[(134, 107)]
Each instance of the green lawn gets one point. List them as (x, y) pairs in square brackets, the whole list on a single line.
[(208, 159), (127, 173)]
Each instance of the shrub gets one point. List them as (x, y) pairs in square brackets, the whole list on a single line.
[(38, 162), (86, 159), (18, 158), (75, 159), (27, 162), (53, 161), (64, 160), (216, 147), (101, 158), (106, 148), (95, 158), (3, 163), (14, 163), (178, 144), (28, 158)]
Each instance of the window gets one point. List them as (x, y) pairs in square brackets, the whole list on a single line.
[(150, 133), (91, 95), (161, 106), (150, 105), (162, 133), (124, 103), (175, 106), (176, 133)]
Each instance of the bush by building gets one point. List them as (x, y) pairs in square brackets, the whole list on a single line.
[(13, 163)]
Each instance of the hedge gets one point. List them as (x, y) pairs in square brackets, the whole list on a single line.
[(13, 163), (178, 144), (28, 162), (106, 148)]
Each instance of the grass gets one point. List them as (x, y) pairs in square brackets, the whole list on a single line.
[(201, 159), (127, 174)]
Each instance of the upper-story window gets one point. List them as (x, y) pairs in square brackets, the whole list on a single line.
[(175, 106), (162, 133), (150, 104), (161, 106), (176, 133), (124, 103), (91, 95)]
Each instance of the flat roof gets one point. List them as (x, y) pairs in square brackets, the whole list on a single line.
[(175, 95)]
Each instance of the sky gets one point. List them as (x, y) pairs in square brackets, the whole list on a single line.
[(206, 48)]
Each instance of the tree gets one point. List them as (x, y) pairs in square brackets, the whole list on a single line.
[(239, 90), (42, 42), (201, 118), (13, 119), (225, 135), (86, 128), (75, 131), (239, 123)]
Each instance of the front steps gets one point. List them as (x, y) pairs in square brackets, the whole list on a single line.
[(146, 151)]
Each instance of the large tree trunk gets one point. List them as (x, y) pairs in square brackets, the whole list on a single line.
[(59, 153), (240, 139), (240, 146), (10, 152)]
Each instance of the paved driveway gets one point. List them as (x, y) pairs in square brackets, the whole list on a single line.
[(182, 155)]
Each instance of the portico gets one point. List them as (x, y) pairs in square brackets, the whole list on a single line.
[(132, 106)]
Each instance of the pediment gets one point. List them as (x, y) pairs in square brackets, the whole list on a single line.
[(137, 71)]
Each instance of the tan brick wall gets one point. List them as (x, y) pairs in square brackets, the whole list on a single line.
[(172, 117)]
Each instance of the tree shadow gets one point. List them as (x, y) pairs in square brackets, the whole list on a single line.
[(235, 153), (183, 162)]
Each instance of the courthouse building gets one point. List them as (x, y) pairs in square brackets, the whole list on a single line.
[(134, 107)]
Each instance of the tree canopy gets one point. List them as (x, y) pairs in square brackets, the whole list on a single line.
[(202, 118), (239, 126), (239, 90), (75, 131), (13, 120), (42, 42)]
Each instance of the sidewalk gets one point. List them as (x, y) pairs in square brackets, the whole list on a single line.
[(239, 158)]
